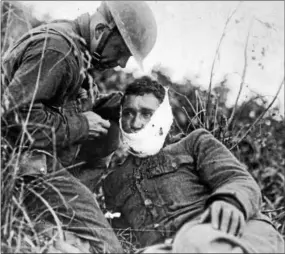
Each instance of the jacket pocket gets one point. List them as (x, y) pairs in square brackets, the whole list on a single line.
[(32, 163), (164, 164)]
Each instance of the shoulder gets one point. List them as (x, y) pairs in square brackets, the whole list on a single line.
[(194, 136), (49, 37), (199, 133), (193, 142)]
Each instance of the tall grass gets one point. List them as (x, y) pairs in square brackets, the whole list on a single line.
[(19, 233)]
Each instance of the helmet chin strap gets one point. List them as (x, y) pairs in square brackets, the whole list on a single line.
[(97, 55)]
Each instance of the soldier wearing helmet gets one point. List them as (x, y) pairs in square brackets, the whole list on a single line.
[(48, 85), (131, 21)]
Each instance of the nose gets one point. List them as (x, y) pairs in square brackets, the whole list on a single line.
[(137, 124), (122, 62)]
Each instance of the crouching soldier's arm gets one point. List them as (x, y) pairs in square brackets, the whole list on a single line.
[(41, 81), (235, 195)]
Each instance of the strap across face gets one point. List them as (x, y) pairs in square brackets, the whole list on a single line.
[(106, 35)]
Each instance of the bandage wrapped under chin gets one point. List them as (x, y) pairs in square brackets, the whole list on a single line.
[(150, 139)]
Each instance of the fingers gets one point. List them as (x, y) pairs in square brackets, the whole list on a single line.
[(227, 218), (235, 224), (241, 226), (216, 211), (83, 93), (105, 123), (97, 125), (99, 131)]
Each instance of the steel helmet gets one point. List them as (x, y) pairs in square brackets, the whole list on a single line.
[(136, 24)]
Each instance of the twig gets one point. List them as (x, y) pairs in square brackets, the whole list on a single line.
[(274, 210), (189, 118), (185, 97), (178, 126), (52, 211), (208, 104), (189, 102), (202, 107), (243, 77), (260, 116), (7, 26), (28, 219)]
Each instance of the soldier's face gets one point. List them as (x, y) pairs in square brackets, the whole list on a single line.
[(115, 53), (137, 111)]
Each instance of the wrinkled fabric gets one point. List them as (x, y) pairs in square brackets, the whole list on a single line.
[(158, 194), (94, 154), (75, 207), (46, 68)]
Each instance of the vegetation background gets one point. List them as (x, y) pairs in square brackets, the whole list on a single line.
[(253, 129)]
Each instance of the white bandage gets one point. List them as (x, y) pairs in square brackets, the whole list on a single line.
[(150, 139)]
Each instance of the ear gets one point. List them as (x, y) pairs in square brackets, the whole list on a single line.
[(99, 29)]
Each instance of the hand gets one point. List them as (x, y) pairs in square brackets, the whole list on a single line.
[(97, 125), (225, 217), (83, 93)]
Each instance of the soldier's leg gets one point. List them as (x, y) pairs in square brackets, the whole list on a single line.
[(60, 198)]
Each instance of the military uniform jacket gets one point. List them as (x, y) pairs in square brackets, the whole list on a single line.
[(42, 76), (157, 194)]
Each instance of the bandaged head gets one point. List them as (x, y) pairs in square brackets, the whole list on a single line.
[(150, 139)]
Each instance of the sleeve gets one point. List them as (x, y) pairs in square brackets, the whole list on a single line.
[(227, 178), (39, 79), (109, 106)]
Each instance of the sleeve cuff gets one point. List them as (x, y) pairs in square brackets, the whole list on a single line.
[(78, 128), (230, 198), (227, 198)]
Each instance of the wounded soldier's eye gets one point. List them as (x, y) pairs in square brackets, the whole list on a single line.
[(127, 113), (147, 115)]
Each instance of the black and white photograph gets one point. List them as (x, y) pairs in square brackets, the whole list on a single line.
[(142, 127)]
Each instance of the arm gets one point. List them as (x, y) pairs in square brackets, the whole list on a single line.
[(223, 173), (109, 106), (46, 78)]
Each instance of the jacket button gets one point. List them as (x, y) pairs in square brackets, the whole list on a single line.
[(148, 202), (137, 176), (156, 225), (174, 164)]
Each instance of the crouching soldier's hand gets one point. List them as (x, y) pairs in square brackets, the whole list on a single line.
[(225, 217), (97, 125)]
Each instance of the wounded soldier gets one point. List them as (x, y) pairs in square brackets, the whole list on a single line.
[(190, 196)]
